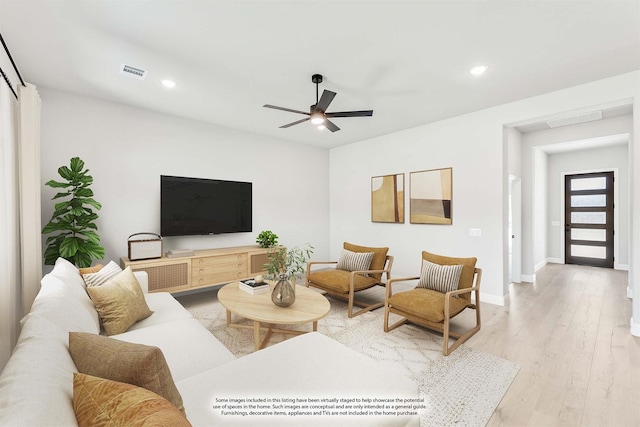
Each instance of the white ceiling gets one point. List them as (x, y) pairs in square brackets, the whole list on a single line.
[(409, 61)]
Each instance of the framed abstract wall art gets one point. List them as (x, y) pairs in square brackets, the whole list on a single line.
[(387, 198), (430, 196)]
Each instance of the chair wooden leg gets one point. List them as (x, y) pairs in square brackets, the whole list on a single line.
[(400, 322), (367, 308), (386, 317), (350, 305), (446, 349)]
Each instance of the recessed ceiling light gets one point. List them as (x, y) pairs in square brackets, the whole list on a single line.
[(478, 70), (169, 83)]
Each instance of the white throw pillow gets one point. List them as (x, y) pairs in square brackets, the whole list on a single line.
[(441, 278), (354, 261), (102, 276)]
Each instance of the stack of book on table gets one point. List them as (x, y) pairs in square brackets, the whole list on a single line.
[(253, 287)]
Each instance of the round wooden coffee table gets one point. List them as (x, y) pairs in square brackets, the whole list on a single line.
[(310, 306)]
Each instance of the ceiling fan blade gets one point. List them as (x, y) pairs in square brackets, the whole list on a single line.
[(331, 126), (325, 100), (294, 123), (285, 109), (363, 113)]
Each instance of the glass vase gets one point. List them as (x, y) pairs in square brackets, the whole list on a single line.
[(284, 294)]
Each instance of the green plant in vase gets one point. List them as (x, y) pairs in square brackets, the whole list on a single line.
[(73, 219), (267, 239), (290, 262), (286, 266)]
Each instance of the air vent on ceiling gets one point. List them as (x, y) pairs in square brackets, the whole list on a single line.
[(574, 120), (135, 72)]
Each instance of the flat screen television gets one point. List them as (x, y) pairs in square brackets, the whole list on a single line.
[(194, 206)]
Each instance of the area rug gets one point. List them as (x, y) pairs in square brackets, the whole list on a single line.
[(462, 389)]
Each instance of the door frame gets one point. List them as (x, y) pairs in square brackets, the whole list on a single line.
[(515, 192), (616, 211)]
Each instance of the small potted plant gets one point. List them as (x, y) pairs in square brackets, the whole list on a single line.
[(267, 239), (286, 266)]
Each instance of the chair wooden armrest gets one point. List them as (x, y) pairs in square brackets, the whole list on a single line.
[(309, 264), (321, 262), (401, 279)]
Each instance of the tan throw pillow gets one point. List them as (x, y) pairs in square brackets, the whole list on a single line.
[(354, 261), (97, 401), (112, 359), (103, 275), (441, 278), (120, 302), (92, 269)]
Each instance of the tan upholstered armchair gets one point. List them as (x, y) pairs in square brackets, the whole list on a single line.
[(359, 268), (443, 291)]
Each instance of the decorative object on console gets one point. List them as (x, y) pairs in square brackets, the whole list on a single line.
[(267, 239), (141, 248), (387, 198), (74, 219), (177, 253), (430, 196)]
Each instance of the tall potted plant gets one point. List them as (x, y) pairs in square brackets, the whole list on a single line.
[(73, 220)]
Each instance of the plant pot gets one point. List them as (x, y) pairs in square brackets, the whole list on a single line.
[(284, 294)]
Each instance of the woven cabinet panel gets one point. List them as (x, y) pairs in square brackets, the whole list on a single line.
[(167, 276), (258, 261)]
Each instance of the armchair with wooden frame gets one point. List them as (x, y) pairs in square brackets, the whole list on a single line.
[(344, 284), (432, 305)]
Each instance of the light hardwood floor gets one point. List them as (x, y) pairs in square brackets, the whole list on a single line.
[(569, 332)]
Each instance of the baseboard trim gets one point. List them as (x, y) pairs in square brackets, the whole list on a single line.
[(493, 299), (624, 267), (540, 265), (529, 278), (629, 292), (635, 328), (555, 261)]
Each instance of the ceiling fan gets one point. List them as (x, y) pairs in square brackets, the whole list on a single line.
[(318, 112)]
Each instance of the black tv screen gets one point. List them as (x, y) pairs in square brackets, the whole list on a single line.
[(194, 206)]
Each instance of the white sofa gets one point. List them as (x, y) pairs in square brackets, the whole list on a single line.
[(36, 386)]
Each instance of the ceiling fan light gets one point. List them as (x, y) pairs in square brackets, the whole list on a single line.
[(317, 118), (321, 127)]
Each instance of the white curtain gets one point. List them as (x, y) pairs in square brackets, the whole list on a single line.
[(10, 265), (29, 177)]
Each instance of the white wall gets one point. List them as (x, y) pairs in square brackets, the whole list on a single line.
[(127, 149), (473, 145)]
